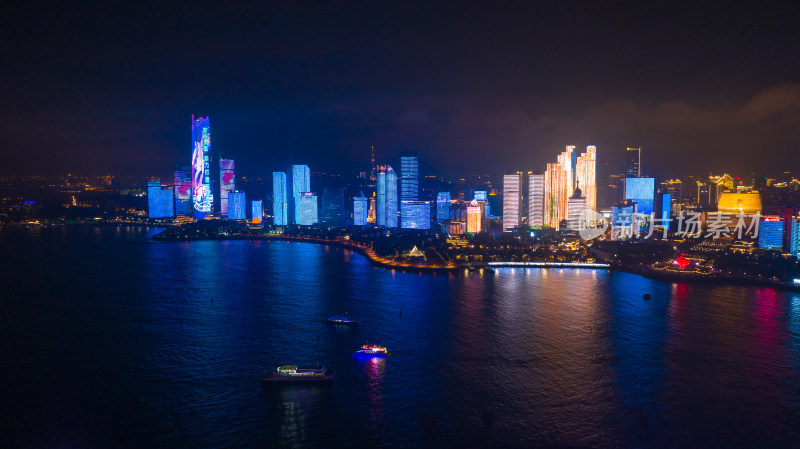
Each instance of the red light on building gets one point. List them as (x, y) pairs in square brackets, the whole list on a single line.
[(683, 262)]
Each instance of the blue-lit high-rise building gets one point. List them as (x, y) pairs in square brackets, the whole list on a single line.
[(443, 206), (483, 195), (415, 215), (391, 198), (360, 210), (238, 206), (794, 239), (307, 209), (666, 207), (333, 206), (643, 192), (202, 195), (257, 210), (159, 202), (770, 233), (301, 183), (380, 203), (280, 207), (182, 191), (409, 176)]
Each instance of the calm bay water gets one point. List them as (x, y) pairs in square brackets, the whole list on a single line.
[(112, 340)]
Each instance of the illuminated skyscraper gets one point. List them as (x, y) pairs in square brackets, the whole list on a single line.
[(482, 195), (301, 183), (409, 176), (279, 201), (586, 176), (307, 209), (227, 184), (333, 207), (183, 191), (202, 195), (474, 217), (159, 202), (770, 233), (643, 192), (238, 206), (391, 198), (371, 217), (415, 215), (443, 206), (257, 211), (536, 201), (511, 199), (360, 210), (633, 166), (380, 204), (576, 204), (794, 240)]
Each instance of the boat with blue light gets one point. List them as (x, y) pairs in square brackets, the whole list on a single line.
[(371, 351), (291, 374), (343, 319)]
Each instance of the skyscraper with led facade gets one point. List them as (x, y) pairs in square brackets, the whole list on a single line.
[(643, 192), (511, 199), (576, 205), (474, 217), (380, 203), (770, 233), (443, 206), (183, 191), (360, 210), (257, 208), (794, 239), (409, 176), (301, 183), (536, 201), (391, 198), (482, 195), (202, 195), (159, 202), (280, 207), (227, 184), (586, 176), (415, 215), (238, 206), (307, 209)]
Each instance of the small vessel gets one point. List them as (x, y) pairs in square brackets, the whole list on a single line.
[(293, 374), (371, 351), (343, 319)]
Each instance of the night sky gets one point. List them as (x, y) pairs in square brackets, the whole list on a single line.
[(472, 88)]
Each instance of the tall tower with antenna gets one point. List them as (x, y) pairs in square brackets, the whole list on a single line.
[(372, 174)]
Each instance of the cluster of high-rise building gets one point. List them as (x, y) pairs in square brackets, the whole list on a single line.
[(549, 199)]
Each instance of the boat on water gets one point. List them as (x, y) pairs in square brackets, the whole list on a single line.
[(371, 351), (293, 374), (343, 319)]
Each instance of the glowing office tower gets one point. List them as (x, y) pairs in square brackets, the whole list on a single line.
[(633, 166), (159, 202), (301, 183), (643, 192), (307, 209), (227, 184), (391, 198), (202, 196), (554, 198), (380, 204), (238, 206), (536, 201), (483, 195), (474, 217), (257, 210), (443, 206), (409, 176), (576, 204), (770, 233), (586, 176), (371, 211), (794, 239), (511, 198), (415, 215), (360, 210), (280, 206), (183, 191)]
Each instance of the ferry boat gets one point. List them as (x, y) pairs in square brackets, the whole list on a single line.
[(343, 319), (293, 374), (371, 351)]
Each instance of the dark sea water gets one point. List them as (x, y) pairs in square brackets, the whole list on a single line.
[(111, 340)]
